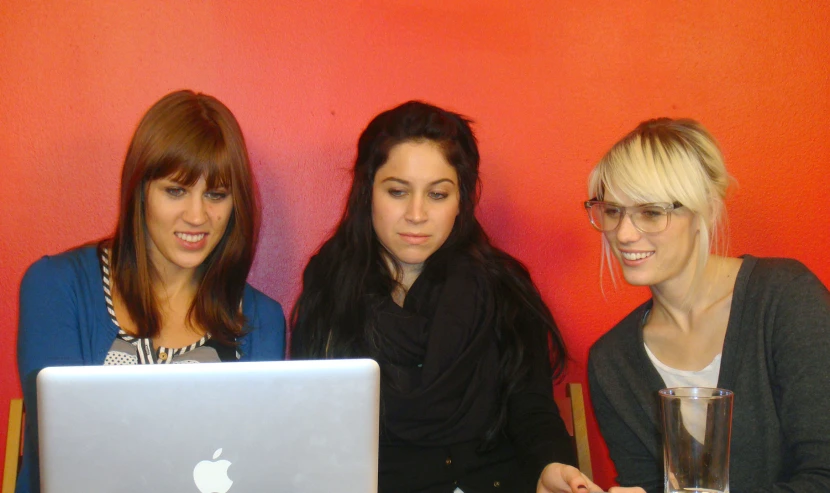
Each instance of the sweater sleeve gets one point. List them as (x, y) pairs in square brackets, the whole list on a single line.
[(266, 339), (635, 464), (534, 424), (48, 335), (48, 331), (800, 350)]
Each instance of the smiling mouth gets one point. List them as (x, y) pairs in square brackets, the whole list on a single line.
[(191, 238), (636, 255)]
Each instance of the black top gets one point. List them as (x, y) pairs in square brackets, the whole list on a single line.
[(775, 357), (440, 393)]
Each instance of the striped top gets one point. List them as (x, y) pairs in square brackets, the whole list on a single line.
[(131, 350)]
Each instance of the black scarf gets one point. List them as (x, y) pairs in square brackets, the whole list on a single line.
[(439, 359)]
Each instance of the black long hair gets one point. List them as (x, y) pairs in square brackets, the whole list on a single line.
[(348, 278)]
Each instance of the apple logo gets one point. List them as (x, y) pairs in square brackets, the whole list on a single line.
[(211, 476)]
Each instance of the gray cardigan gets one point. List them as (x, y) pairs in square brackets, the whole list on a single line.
[(776, 358)]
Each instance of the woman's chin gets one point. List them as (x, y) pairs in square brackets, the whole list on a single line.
[(637, 278)]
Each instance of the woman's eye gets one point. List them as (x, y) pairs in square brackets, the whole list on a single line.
[(174, 191), (653, 213), (396, 192), (611, 212), (438, 195), (216, 196)]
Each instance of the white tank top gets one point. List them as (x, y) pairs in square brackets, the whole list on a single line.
[(693, 418), (707, 377)]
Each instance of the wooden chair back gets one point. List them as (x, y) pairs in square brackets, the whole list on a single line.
[(572, 410), (14, 445)]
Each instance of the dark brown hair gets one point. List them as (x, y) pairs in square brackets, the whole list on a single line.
[(186, 136)]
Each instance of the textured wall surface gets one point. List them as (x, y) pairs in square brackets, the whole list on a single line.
[(551, 86)]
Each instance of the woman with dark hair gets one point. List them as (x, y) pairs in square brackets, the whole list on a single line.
[(463, 338), (170, 285)]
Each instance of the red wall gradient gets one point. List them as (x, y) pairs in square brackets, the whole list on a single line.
[(550, 85)]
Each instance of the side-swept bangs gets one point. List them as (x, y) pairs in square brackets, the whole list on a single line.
[(654, 167)]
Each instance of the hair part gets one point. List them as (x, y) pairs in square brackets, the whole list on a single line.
[(667, 160), (183, 137)]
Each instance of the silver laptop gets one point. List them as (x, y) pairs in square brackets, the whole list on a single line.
[(290, 426)]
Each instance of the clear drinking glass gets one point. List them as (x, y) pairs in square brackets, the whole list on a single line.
[(697, 426)]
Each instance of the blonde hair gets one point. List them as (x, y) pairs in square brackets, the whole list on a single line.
[(666, 160)]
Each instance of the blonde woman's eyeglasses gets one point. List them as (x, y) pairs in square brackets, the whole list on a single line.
[(647, 218)]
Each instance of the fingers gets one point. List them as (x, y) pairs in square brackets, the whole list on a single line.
[(561, 478), (578, 482), (584, 485)]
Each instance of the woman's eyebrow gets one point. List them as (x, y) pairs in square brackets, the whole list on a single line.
[(405, 182), (396, 179)]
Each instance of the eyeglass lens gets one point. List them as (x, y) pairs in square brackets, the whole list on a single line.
[(648, 219)]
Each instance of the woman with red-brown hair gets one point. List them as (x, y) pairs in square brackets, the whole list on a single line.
[(170, 285)]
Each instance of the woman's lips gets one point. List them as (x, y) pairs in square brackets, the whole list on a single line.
[(414, 239), (192, 241), (634, 258)]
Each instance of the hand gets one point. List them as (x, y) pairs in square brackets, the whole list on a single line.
[(561, 478)]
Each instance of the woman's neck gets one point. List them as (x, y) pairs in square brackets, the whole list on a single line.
[(179, 285), (405, 275), (683, 300), (174, 293)]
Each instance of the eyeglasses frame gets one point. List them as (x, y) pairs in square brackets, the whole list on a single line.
[(663, 205)]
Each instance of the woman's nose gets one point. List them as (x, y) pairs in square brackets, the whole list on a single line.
[(626, 231), (195, 212), (415, 211)]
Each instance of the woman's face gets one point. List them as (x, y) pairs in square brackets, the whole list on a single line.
[(184, 224), (415, 200), (648, 259)]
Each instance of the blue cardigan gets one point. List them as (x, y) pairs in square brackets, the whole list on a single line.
[(64, 321)]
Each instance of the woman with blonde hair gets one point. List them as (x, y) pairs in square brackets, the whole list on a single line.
[(170, 285), (757, 326)]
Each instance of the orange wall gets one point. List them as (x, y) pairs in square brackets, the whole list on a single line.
[(550, 84)]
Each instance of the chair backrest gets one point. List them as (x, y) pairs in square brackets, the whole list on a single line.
[(572, 409), (14, 448)]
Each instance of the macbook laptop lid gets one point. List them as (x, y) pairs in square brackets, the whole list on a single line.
[(289, 426)]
